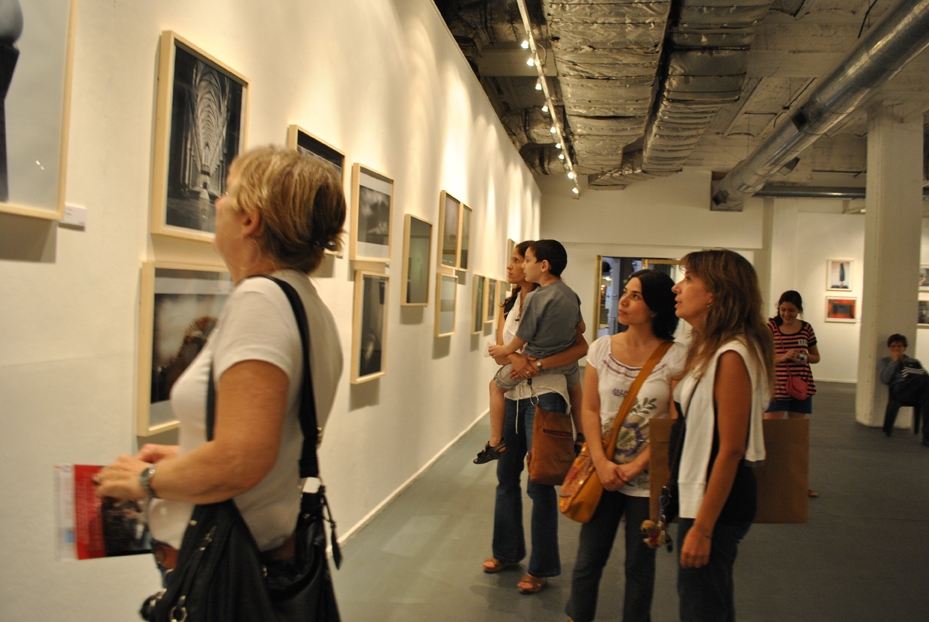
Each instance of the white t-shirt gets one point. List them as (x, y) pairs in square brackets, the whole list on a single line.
[(546, 383), (257, 323), (653, 401)]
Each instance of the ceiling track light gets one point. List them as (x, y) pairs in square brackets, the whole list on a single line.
[(537, 60)]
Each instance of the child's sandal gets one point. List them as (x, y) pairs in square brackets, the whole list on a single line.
[(490, 453)]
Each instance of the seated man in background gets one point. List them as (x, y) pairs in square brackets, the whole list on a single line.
[(909, 386)]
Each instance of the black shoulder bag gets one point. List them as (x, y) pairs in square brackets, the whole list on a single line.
[(220, 576)]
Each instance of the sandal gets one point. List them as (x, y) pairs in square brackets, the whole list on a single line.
[(490, 453), (531, 585), (812, 494), (492, 565)]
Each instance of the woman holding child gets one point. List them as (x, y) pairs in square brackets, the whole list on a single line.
[(647, 309), (514, 439)]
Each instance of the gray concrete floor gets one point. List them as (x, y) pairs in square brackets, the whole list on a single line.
[(864, 555)]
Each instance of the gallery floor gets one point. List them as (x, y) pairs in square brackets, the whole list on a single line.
[(864, 555)]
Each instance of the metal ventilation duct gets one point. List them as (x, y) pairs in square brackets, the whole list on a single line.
[(879, 55)]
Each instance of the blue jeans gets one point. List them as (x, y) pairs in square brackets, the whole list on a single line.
[(707, 594), (509, 544), (594, 550)]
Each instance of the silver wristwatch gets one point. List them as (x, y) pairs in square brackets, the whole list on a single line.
[(145, 481), (538, 364)]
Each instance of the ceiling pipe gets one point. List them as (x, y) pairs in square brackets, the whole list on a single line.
[(817, 192), (887, 48)]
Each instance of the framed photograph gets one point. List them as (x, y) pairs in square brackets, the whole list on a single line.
[(304, 142), (179, 307), (369, 326), (924, 278), (490, 301), (477, 304), (510, 247), (839, 275), (464, 239), (372, 206), (446, 292), (923, 318), (502, 291), (35, 76), (417, 249), (841, 309), (449, 221), (200, 128)]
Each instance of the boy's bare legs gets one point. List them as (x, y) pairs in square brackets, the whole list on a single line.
[(495, 447)]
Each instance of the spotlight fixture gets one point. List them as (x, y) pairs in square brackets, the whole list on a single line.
[(525, 44), (531, 62), (545, 108), (557, 145), (561, 156), (538, 85), (554, 130), (570, 174), (575, 190)]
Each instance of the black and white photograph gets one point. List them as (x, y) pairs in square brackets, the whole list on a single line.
[(304, 142), (369, 328), (36, 43), (417, 248), (449, 222), (924, 278), (839, 275), (198, 138), (446, 293), (372, 202), (490, 301), (180, 308), (923, 317), (465, 238), (477, 304)]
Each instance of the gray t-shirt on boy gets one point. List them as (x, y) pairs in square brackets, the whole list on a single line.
[(550, 315)]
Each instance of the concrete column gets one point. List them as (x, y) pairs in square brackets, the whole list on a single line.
[(784, 223), (893, 226), (763, 258)]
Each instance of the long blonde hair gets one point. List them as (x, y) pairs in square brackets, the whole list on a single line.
[(736, 312)]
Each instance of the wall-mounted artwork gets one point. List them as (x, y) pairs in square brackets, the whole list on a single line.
[(369, 326), (502, 293), (417, 249), (304, 142), (477, 304), (923, 317), (464, 239), (924, 278), (841, 309), (372, 207), (179, 307), (449, 222), (510, 247), (839, 274), (35, 102), (200, 128), (446, 293), (490, 301)]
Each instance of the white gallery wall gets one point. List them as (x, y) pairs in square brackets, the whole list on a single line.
[(383, 81)]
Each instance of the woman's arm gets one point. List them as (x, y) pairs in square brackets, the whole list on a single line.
[(732, 394), (572, 354), (813, 355), (251, 402), (610, 474)]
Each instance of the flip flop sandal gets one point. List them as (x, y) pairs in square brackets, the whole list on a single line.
[(490, 453), (492, 565), (531, 585), (812, 494)]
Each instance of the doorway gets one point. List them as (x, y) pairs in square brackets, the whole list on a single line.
[(612, 274)]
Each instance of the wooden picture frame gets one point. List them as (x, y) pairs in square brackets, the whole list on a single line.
[(922, 319), (478, 295), (464, 238), (490, 301), (446, 298), (449, 230), (37, 108), (838, 275), (924, 278), (369, 326), (844, 309), (372, 215), (180, 304), (502, 291), (417, 253), (201, 121), (510, 247), (306, 143)]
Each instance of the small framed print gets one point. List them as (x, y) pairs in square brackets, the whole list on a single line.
[(372, 208), (304, 142), (369, 326), (180, 304), (199, 130), (510, 247), (446, 292), (502, 292), (923, 317), (841, 309), (490, 301), (464, 239), (417, 249), (449, 223), (36, 59), (924, 278), (477, 304), (839, 275)]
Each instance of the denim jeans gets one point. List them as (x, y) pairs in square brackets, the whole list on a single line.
[(593, 551), (707, 594), (509, 543)]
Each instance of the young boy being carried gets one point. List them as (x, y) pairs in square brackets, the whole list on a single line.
[(551, 318)]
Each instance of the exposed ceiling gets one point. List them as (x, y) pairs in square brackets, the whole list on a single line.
[(644, 88)]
